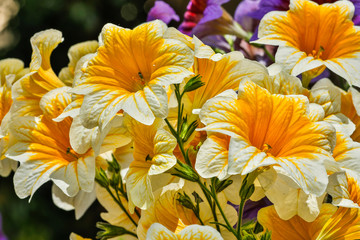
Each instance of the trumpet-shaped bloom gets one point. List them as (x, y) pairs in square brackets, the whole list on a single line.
[(153, 154), (268, 129), (76, 52), (169, 212), (162, 11), (332, 223), (288, 198), (115, 215), (344, 188), (28, 90), (129, 73), (350, 108), (312, 37), (158, 231), (11, 70), (43, 149)]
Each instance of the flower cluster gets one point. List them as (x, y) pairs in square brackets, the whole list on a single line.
[(180, 140)]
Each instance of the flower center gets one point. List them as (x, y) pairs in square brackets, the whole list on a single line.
[(71, 155), (139, 81), (317, 53)]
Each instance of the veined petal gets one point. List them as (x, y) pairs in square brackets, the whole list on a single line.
[(199, 232), (288, 198), (111, 83), (346, 152), (295, 228), (311, 35), (270, 129), (158, 231), (223, 72), (10, 66), (80, 203), (28, 90), (55, 101), (349, 108), (43, 43), (212, 157), (153, 154), (43, 148), (344, 189)]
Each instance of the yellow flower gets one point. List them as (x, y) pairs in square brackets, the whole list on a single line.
[(332, 223), (153, 155), (28, 91), (350, 107), (115, 215), (130, 72), (75, 53), (198, 232), (268, 129), (169, 212), (11, 70), (44, 151), (312, 37)]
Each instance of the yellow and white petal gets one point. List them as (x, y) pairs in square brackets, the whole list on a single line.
[(355, 99), (281, 83), (163, 160), (199, 232), (311, 35), (212, 157), (158, 231), (28, 90), (80, 203), (295, 228), (55, 101), (43, 149), (74, 236), (346, 153), (79, 50), (139, 188), (111, 83), (222, 72), (344, 224), (270, 129), (349, 109), (288, 198), (344, 189), (10, 66), (77, 175), (114, 214), (43, 43)]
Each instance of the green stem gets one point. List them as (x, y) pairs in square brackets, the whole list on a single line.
[(230, 228), (121, 206), (125, 195), (268, 54), (241, 209), (180, 143)]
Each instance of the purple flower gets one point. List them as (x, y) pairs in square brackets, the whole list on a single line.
[(163, 11), (199, 12), (213, 10), (252, 208), (243, 11), (266, 6)]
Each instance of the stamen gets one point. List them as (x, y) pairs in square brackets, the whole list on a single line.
[(266, 147), (68, 151)]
